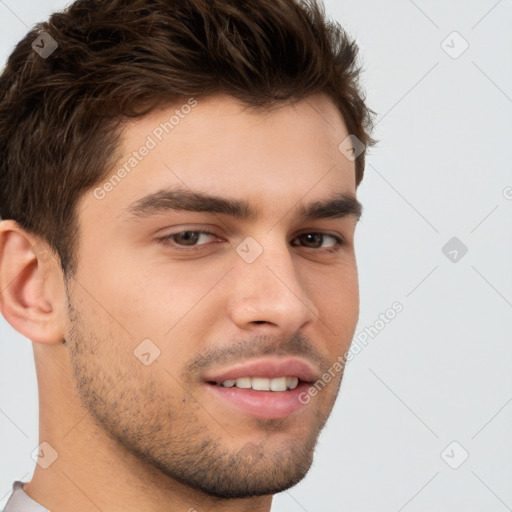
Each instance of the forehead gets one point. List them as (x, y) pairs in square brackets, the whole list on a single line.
[(219, 145)]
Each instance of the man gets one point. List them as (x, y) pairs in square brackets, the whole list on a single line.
[(178, 195)]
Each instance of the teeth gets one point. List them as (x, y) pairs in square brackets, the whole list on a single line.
[(278, 384), (262, 383), (243, 382), (292, 382)]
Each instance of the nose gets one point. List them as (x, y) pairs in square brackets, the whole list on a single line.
[(268, 291)]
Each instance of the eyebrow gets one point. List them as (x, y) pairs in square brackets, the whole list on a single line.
[(178, 199)]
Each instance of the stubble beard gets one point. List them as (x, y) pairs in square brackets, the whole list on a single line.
[(141, 417)]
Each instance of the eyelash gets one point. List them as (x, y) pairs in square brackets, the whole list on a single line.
[(167, 241)]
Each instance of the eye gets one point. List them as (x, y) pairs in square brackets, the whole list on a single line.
[(191, 240), (187, 238), (317, 240)]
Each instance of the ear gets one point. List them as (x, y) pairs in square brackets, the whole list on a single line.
[(32, 291)]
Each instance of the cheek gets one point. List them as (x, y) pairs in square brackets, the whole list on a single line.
[(100, 350), (155, 300), (338, 305), (336, 296)]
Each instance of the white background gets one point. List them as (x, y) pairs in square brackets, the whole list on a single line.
[(441, 370)]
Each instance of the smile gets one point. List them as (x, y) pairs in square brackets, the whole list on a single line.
[(262, 383), (266, 388)]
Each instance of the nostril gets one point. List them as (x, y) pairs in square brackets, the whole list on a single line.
[(263, 322)]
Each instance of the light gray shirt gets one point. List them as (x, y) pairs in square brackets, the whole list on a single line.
[(21, 502)]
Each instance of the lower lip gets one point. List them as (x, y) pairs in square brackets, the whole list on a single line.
[(263, 404)]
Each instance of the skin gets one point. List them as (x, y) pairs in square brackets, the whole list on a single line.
[(102, 410)]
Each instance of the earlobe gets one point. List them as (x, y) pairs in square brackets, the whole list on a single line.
[(32, 293)]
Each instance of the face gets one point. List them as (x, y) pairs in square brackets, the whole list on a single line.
[(216, 282)]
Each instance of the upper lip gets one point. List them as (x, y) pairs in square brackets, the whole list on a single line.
[(269, 368)]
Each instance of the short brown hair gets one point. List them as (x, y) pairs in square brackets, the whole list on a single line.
[(60, 116)]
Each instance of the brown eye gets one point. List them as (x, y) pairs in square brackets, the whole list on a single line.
[(317, 240), (187, 238), (312, 240)]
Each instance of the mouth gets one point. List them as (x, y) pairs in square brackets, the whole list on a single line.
[(261, 383), (265, 388)]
